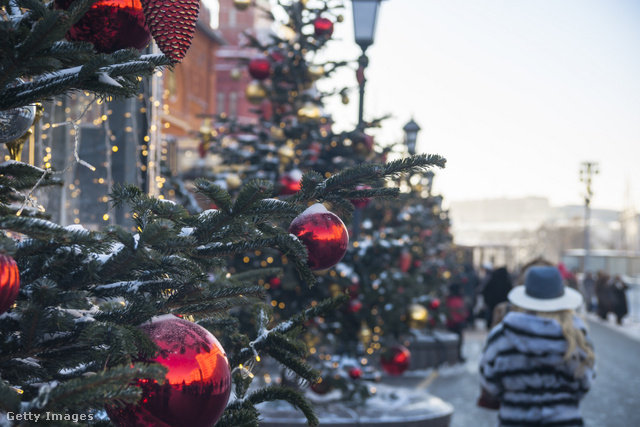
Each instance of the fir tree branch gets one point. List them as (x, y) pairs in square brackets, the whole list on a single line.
[(294, 397)]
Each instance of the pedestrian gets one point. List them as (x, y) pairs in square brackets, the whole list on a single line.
[(604, 295), (588, 288), (619, 296), (457, 314), (503, 308), (495, 291), (538, 363)]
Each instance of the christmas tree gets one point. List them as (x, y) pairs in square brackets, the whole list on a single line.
[(144, 326)]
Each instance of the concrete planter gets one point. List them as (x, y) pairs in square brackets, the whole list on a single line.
[(392, 407), (433, 350)]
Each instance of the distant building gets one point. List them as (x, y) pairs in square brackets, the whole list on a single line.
[(511, 232), (231, 70)]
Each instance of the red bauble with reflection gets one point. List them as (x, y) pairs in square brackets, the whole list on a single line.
[(110, 25), (197, 385), (395, 360), (322, 27), (260, 68), (323, 233), (9, 282)]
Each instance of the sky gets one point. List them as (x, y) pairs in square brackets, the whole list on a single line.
[(514, 94)]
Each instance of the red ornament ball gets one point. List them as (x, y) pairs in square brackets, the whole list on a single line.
[(323, 233), (198, 382), (275, 282), (290, 183), (395, 360), (260, 68), (110, 25), (323, 386), (361, 203), (405, 261), (434, 304), (354, 306), (355, 373), (323, 27), (9, 282)]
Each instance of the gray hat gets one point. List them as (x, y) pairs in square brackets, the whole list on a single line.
[(544, 290)]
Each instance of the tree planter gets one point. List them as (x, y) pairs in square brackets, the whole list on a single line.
[(390, 407), (433, 350)]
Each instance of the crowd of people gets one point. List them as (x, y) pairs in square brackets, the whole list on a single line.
[(538, 361)]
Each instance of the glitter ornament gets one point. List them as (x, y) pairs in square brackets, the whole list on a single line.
[(395, 360), (322, 27), (172, 24), (197, 385), (9, 282), (260, 68), (323, 233), (110, 25)]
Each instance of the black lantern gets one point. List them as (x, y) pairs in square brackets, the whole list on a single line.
[(365, 14), (411, 130)]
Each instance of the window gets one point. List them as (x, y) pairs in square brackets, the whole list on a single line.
[(233, 104), (220, 103)]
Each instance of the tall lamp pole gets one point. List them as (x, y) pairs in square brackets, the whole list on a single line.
[(587, 170), (365, 14)]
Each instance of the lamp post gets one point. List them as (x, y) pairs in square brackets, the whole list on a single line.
[(365, 14), (587, 169), (411, 130)]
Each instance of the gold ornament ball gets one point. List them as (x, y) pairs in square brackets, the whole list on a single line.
[(255, 92), (365, 334), (309, 112), (314, 72), (417, 316), (335, 290), (242, 4), (236, 74), (339, 18), (286, 153), (233, 181), (277, 132), (345, 100)]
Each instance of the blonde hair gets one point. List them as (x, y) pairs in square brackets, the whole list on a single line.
[(576, 338)]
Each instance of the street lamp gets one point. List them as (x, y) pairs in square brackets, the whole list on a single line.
[(587, 170), (411, 130), (365, 14)]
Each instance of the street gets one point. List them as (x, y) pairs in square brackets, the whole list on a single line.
[(614, 400)]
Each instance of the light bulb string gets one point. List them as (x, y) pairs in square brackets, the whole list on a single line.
[(28, 199)]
